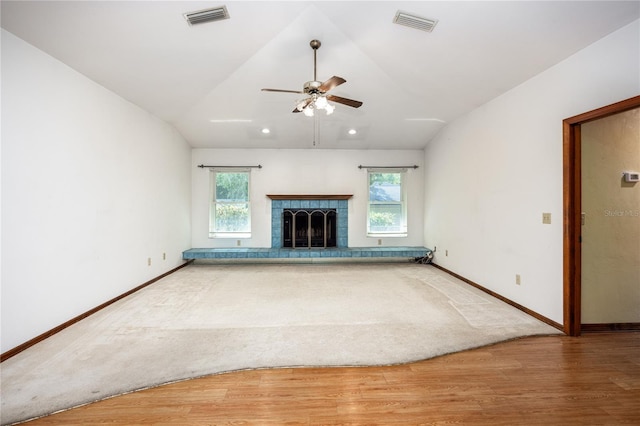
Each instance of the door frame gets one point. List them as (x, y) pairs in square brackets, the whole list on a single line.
[(572, 207)]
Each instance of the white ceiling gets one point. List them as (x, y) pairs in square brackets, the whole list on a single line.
[(411, 82)]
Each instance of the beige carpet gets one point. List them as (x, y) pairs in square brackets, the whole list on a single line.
[(207, 319)]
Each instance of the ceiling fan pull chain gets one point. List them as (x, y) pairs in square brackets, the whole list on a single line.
[(315, 129)]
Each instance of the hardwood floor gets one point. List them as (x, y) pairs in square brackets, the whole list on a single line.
[(550, 380)]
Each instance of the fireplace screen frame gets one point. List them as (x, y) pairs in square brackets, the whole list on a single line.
[(313, 228)]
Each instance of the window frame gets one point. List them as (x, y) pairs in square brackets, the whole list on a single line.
[(213, 203), (402, 229)]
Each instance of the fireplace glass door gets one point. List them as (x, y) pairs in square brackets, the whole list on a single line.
[(302, 228)]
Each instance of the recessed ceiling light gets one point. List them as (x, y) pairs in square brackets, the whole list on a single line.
[(352, 131), (266, 131)]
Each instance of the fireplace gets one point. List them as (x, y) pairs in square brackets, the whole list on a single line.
[(309, 221), (307, 228)]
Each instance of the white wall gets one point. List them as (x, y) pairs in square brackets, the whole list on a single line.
[(491, 174), (306, 171), (92, 186)]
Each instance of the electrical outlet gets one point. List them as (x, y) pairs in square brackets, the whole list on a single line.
[(164, 256), (238, 243), (446, 252), (435, 249), (546, 218), (379, 241), (517, 279), (149, 261)]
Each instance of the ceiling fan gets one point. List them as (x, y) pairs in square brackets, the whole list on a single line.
[(318, 91)]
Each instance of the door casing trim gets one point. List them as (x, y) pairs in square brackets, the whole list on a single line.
[(572, 208)]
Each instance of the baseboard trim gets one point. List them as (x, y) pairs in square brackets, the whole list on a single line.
[(12, 352), (606, 328), (504, 299)]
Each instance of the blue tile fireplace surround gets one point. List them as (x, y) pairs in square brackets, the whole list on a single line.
[(340, 205), (279, 203)]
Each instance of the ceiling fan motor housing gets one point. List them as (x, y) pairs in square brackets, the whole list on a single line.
[(312, 87)]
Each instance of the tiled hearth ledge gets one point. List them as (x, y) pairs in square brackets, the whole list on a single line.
[(309, 196), (348, 254)]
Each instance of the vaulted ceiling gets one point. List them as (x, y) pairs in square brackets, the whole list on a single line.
[(206, 79)]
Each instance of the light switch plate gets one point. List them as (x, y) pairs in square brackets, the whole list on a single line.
[(546, 218)]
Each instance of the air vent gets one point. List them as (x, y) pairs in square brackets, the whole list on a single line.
[(413, 21), (207, 15)]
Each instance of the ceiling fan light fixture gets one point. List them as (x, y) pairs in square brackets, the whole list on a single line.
[(316, 102), (321, 102), (329, 109)]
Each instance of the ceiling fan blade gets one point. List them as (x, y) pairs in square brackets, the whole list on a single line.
[(345, 101), (282, 91), (331, 83)]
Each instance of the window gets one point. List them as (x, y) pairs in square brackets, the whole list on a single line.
[(387, 212), (230, 209)]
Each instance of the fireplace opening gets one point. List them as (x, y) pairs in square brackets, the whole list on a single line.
[(309, 228)]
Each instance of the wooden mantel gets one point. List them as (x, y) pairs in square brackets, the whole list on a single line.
[(309, 196)]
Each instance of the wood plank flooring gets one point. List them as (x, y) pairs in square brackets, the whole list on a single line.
[(549, 380)]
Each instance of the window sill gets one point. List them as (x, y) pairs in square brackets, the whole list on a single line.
[(389, 235), (230, 235)]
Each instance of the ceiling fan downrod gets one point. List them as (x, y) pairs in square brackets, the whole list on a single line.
[(315, 45)]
